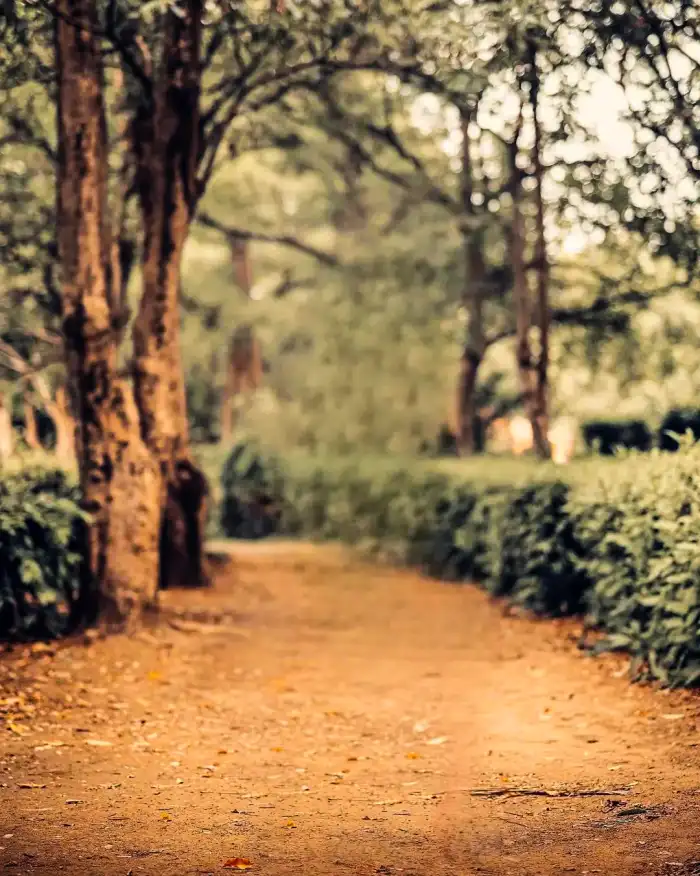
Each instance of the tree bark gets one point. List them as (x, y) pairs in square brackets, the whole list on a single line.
[(473, 301), (64, 424), (7, 443), (119, 481), (242, 268), (244, 371), (167, 157), (31, 434), (523, 305), (541, 395)]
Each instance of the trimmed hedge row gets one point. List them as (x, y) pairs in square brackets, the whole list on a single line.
[(40, 560), (608, 436), (619, 542)]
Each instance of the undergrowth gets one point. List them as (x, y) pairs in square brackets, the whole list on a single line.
[(40, 559)]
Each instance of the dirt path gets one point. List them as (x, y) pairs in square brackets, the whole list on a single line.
[(336, 723)]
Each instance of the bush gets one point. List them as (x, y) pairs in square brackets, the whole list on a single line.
[(251, 493), (618, 541), (607, 436), (40, 562), (641, 540), (678, 422)]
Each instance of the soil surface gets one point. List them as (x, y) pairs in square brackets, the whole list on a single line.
[(311, 714)]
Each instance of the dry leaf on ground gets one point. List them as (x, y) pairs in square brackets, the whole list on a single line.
[(237, 864)]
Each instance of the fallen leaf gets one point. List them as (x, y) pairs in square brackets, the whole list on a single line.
[(47, 746), (412, 755), (166, 816), (237, 864), (16, 729), (154, 676), (438, 740)]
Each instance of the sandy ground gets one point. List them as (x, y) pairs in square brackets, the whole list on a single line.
[(314, 715)]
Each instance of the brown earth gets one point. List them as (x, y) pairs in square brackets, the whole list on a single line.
[(337, 719)]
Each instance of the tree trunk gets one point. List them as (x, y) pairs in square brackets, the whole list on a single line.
[(523, 307), (244, 370), (120, 483), (167, 156), (64, 424), (242, 268), (473, 301), (31, 434), (7, 444), (541, 396)]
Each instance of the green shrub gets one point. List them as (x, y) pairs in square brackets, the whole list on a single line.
[(617, 540), (641, 541), (538, 551), (252, 492), (678, 422), (608, 436), (40, 561)]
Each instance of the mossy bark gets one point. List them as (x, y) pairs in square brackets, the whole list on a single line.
[(167, 160), (121, 483)]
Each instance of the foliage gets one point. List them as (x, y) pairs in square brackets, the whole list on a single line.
[(40, 558), (617, 540), (676, 424), (608, 436), (640, 536)]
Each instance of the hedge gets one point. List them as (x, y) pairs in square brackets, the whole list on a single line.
[(678, 422), (615, 540), (40, 561), (608, 436)]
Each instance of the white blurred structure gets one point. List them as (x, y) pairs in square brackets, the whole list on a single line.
[(562, 440), (515, 436), (520, 430)]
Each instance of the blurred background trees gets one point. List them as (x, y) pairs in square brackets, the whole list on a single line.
[(384, 240)]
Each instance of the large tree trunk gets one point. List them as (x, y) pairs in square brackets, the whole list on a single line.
[(523, 308), (167, 156), (542, 312), (473, 300), (120, 483)]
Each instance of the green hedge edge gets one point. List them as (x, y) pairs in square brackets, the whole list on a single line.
[(619, 543)]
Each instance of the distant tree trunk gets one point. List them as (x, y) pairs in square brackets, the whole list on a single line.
[(523, 306), (7, 444), (242, 268), (31, 434), (65, 426), (473, 300), (121, 485), (541, 396), (167, 146), (244, 370)]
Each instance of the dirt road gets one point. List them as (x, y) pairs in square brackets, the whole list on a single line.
[(338, 720)]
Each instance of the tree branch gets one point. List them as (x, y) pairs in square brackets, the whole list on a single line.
[(241, 234)]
